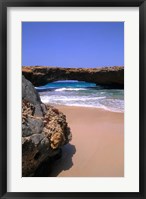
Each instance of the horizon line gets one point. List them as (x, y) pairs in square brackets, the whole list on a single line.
[(71, 67)]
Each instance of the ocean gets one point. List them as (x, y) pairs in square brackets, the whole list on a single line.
[(83, 94)]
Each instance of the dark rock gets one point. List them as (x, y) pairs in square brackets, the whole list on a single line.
[(36, 138), (44, 132), (58, 155), (45, 167), (44, 108), (35, 124), (30, 94), (44, 142), (26, 131)]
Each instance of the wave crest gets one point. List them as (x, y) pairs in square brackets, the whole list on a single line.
[(70, 89)]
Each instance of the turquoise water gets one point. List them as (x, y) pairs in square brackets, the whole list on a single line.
[(78, 93)]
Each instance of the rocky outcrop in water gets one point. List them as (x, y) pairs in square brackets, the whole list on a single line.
[(107, 76), (44, 131)]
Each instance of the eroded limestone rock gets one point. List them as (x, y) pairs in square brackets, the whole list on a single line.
[(106, 76), (44, 130)]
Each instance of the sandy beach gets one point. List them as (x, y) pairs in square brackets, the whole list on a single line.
[(97, 146)]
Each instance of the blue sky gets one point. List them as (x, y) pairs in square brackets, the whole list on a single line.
[(73, 44)]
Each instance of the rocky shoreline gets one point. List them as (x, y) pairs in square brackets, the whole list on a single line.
[(44, 132), (106, 76)]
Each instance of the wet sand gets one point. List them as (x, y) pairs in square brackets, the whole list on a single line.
[(97, 146)]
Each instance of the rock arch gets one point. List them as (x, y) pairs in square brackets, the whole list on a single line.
[(41, 75)]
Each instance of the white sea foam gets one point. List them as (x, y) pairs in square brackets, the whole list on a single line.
[(84, 101), (81, 94), (70, 89), (100, 106), (70, 98)]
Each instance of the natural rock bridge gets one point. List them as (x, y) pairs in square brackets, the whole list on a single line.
[(109, 76)]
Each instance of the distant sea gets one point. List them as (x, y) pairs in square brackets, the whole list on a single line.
[(83, 94)]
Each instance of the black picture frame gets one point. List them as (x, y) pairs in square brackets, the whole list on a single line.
[(4, 4)]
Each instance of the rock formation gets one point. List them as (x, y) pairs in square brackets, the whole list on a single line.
[(44, 131), (41, 75)]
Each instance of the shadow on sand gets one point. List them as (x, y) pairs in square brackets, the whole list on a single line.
[(65, 162)]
